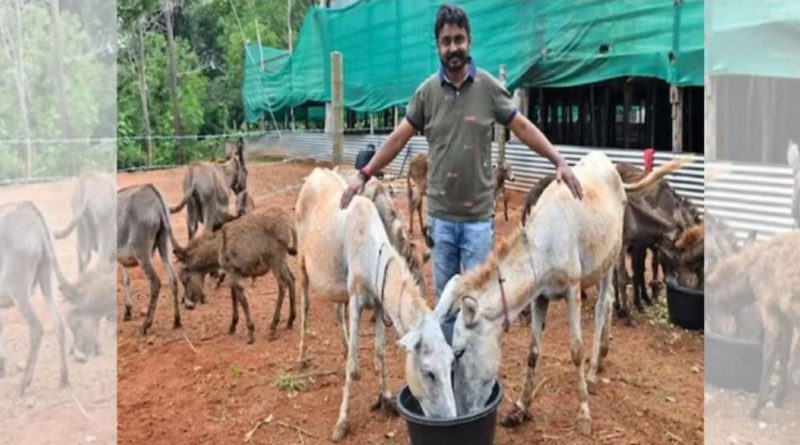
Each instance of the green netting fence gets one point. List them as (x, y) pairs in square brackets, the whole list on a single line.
[(388, 48)]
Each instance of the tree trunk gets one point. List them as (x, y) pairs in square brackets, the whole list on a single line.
[(173, 84), (21, 90), (67, 156), (143, 94)]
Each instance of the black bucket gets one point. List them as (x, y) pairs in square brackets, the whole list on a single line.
[(733, 363), (685, 305), (474, 429)]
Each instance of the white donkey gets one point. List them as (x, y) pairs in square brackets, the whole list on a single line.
[(346, 256), (567, 244)]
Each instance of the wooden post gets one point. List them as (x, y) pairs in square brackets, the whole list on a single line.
[(627, 93), (593, 116), (676, 99), (710, 120), (500, 130), (337, 106)]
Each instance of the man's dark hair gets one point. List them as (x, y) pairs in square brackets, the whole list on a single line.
[(450, 15)]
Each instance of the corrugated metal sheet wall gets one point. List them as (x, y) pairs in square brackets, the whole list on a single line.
[(747, 197)]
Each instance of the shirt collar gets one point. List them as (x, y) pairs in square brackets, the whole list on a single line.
[(471, 71)]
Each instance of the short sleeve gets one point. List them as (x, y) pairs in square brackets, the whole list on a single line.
[(503, 107), (415, 111)]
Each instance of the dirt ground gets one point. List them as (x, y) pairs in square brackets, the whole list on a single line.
[(47, 414), (651, 392)]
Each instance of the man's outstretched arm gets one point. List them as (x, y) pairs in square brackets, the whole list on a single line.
[(536, 141), (389, 150)]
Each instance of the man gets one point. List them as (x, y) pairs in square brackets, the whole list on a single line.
[(456, 109)]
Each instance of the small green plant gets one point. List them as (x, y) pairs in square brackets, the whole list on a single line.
[(235, 371), (288, 382)]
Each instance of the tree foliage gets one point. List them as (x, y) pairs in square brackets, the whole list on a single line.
[(209, 39)]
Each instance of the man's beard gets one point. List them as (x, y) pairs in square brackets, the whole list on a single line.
[(455, 61)]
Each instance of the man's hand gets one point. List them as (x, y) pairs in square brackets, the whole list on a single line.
[(564, 173), (355, 185)]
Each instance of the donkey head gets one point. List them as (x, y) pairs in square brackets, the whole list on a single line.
[(476, 347), (429, 362), (235, 168)]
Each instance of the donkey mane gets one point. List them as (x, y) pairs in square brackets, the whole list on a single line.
[(480, 276)]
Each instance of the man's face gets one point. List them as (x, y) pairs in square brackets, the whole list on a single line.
[(453, 47)]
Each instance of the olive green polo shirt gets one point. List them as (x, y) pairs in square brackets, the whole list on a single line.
[(457, 122)]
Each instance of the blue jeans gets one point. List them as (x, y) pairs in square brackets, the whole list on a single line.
[(457, 247)]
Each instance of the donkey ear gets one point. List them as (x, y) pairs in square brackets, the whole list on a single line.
[(411, 340), (447, 299), (469, 309)]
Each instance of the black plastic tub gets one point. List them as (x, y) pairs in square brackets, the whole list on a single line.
[(474, 429), (733, 363), (685, 305)]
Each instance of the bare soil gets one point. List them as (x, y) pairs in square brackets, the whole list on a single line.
[(651, 392), (47, 414)]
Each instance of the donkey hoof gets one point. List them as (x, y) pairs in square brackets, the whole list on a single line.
[(232, 329), (355, 375), (273, 335), (64, 381), (591, 385), (585, 426), (386, 404), (128, 312), (290, 323), (302, 364), (339, 431), (188, 304), (516, 417), (145, 328), (176, 324)]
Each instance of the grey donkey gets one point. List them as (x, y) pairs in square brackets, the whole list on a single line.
[(93, 217), (142, 227), (206, 188), (27, 259)]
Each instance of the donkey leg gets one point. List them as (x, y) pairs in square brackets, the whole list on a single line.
[(288, 277), (771, 338), (340, 430), (520, 412), (601, 327), (241, 296), (301, 360), (341, 318), (276, 314), (234, 312), (155, 288), (640, 297), (385, 401), (784, 357), (126, 284), (34, 331), (45, 282), (574, 309), (163, 250)]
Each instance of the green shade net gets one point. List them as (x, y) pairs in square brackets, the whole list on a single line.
[(388, 48), (754, 37)]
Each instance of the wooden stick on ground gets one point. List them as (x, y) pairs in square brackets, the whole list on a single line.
[(190, 343), (80, 407), (299, 430)]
